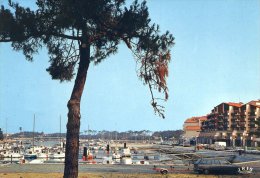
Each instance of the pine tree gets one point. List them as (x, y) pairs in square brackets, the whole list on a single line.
[(78, 32)]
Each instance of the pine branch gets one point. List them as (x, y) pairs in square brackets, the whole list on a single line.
[(6, 40), (65, 36)]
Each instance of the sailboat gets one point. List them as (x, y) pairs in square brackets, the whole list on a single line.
[(59, 153), (30, 152)]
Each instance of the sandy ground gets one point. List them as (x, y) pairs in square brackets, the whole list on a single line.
[(117, 175)]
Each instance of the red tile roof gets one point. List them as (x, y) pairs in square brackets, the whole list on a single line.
[(203, 118), (192, 128), (255, 103), (195, 119), (235, 104), (191, 120)]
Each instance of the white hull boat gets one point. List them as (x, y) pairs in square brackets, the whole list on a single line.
[(58, 155), (36, 161)]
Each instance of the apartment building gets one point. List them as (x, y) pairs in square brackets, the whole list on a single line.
[(233, 123), (192, 127)]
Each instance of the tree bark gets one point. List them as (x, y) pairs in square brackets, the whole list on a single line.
[(73, 125)]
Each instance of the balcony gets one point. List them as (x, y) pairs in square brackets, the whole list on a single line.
[(236, 113), (233, 126), (242, 114), (220, 126), (252, 113), (252, 130), (242, 125), (252, 125), (240, 119), (252, 119)]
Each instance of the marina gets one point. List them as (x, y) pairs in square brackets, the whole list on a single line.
[(111, 152), (94, 151), (102, 156)]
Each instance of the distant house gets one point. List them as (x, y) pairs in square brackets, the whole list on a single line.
[(192, 127)]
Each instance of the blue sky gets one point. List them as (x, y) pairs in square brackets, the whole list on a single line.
[(216, 59)]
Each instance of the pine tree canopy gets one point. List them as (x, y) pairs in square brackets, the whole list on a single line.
[(63, 26)]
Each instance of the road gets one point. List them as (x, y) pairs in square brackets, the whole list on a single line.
[(101, 168)]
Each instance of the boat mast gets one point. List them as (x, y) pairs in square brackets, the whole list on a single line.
[(33, 130), (88, 134), (60, 133), (116, 135), (6, 129)]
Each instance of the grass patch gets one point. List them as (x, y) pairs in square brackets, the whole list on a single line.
[(110, 175)]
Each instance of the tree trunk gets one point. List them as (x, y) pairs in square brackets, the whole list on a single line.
[(73, 125)]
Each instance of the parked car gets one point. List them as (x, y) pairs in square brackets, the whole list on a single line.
[(217, 166), (164, 170)]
